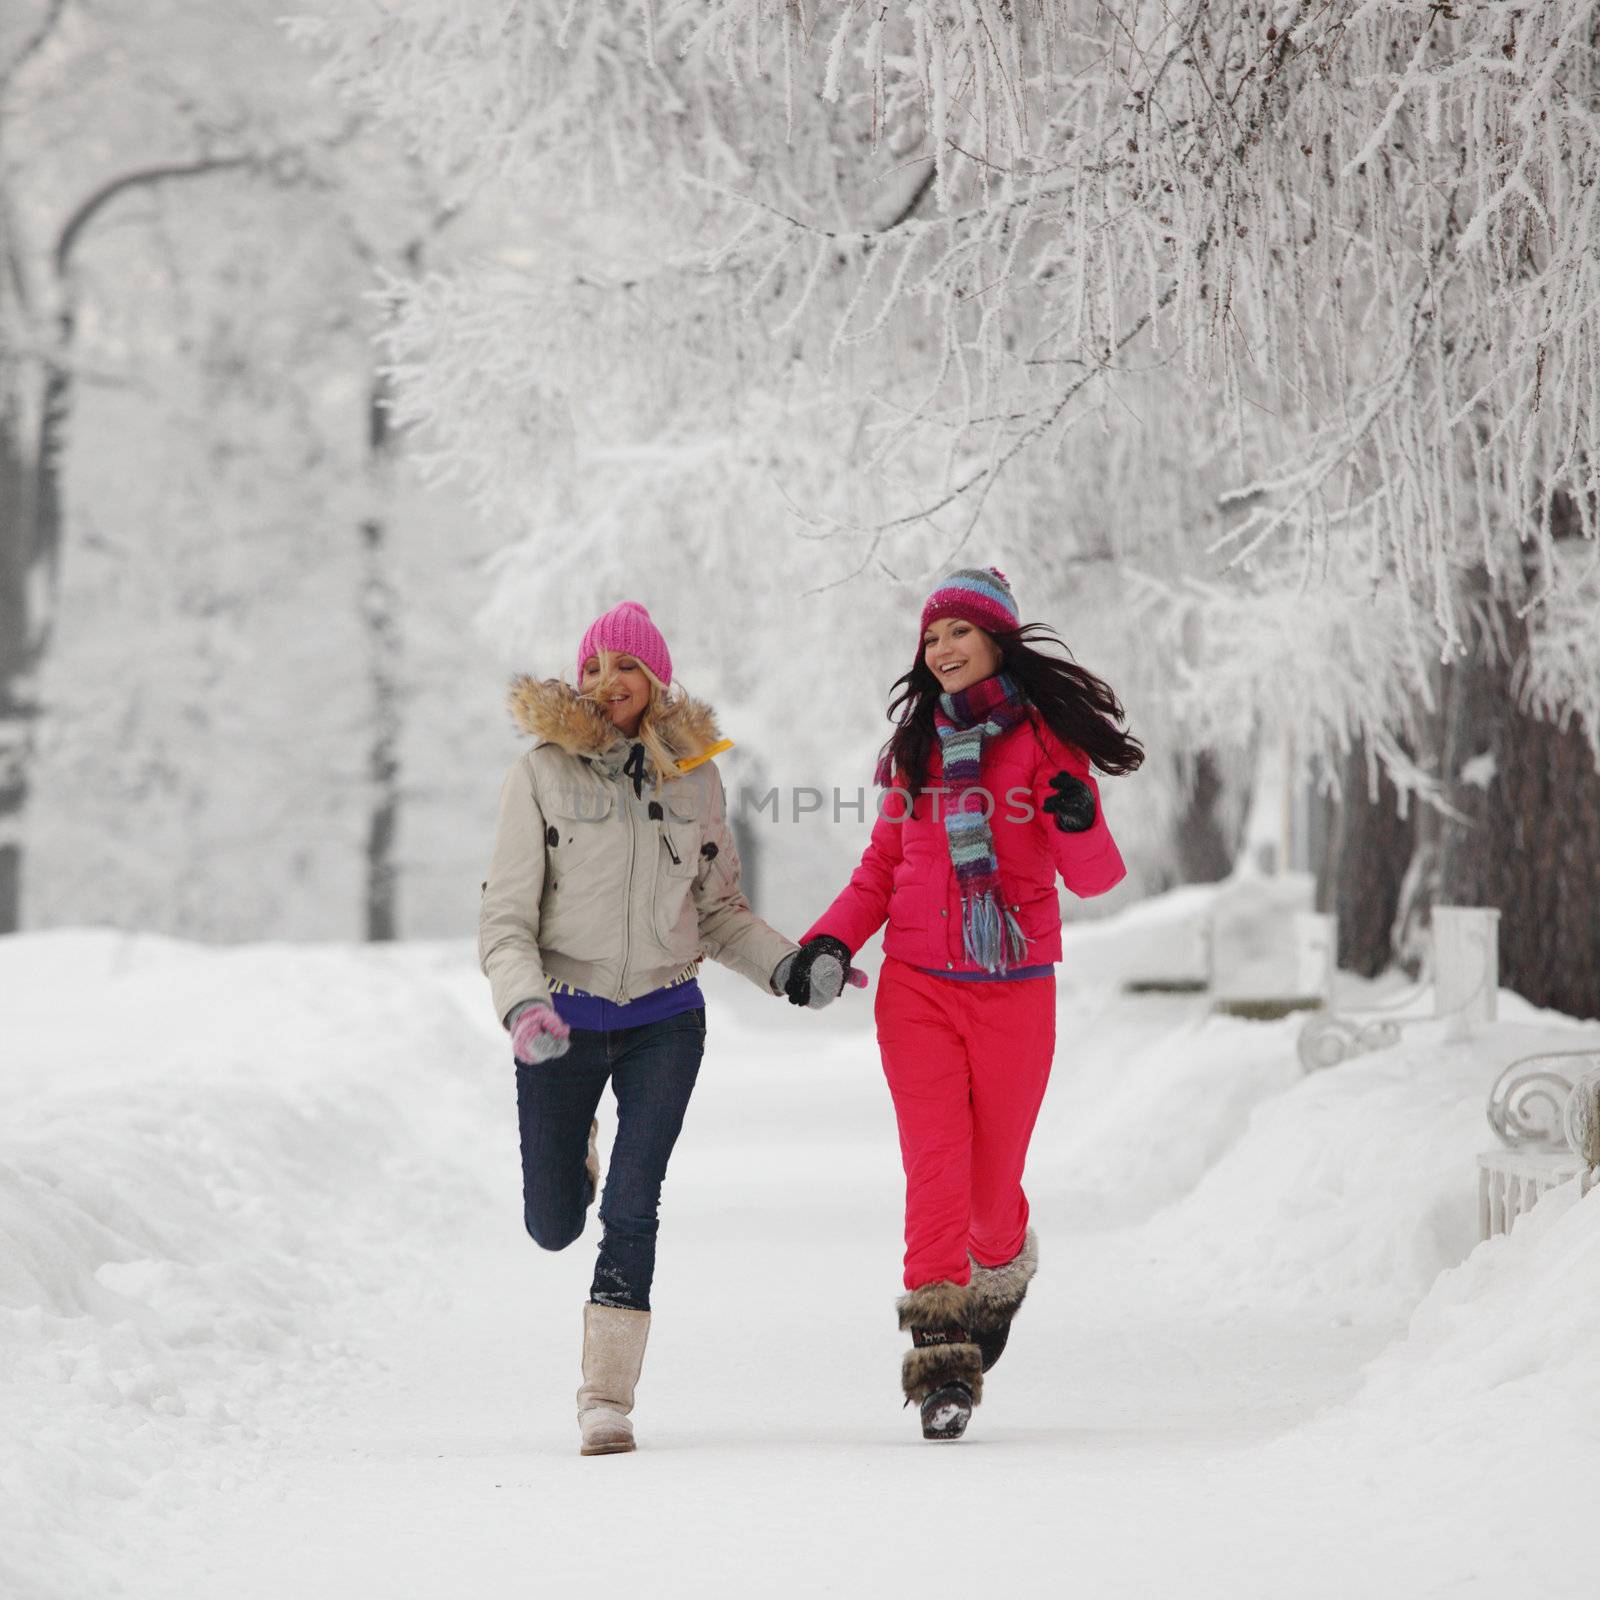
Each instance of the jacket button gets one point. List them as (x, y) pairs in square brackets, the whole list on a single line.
[(950, 966), (944, 911)]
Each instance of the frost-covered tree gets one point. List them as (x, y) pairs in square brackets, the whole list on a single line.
[(72, 156), (1367, 229), (958, 246), (197, 418)]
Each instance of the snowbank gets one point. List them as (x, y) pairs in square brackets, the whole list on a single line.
[(206, 1161), (1505, 1342), (1353, 1188), (1460, 1464), (1252, 1183), (1465, 1461), (1148, 1095), (1162, 937)]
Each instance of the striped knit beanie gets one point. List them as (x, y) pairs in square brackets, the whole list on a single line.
[(979, 595), (628, 630)]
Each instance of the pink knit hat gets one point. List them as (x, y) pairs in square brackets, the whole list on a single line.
[(979, 595), (628, 630)]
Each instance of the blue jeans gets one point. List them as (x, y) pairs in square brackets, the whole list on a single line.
[(652, 1070)]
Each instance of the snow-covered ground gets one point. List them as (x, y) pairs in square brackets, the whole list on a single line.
[(269, 1324)]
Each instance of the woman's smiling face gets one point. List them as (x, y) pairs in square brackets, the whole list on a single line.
[(625, 695), (959, 654)]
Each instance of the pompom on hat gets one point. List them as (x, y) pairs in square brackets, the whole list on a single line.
[(979, 595), (628, 631)]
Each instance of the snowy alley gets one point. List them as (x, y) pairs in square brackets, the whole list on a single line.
[(271, 1323), (980, 615)]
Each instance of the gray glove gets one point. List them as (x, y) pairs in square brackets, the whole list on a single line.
[(814, 975), (537, 1033)]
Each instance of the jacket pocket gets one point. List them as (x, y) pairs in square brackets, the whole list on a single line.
[(1038, 913), (584, 897), (577, 812), (676, 868)]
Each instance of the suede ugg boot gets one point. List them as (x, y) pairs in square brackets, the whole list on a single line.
[(942, 1372), (613, 1353), (997, 1296)]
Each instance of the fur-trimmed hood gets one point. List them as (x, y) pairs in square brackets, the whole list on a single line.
[(555, 713)]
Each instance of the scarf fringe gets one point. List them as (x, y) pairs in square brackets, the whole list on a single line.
[(991, 934)]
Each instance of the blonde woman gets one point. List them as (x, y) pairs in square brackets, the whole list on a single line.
[(614, 872)]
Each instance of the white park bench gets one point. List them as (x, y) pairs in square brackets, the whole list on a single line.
[(1545, 1111), (1464, 983)]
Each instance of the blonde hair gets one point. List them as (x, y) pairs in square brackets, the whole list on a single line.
[(663, 762)]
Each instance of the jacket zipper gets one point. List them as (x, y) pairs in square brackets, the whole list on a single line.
[(627, 919)]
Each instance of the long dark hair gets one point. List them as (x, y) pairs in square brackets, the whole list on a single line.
[(1079, 708)]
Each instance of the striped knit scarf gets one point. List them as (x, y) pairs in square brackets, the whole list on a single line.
[(989, 932)]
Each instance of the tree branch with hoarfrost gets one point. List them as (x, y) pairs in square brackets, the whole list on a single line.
[(1356, 240)]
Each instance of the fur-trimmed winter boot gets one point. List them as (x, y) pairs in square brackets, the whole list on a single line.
[(997, 1296), (942, 1372), (613, 1353)]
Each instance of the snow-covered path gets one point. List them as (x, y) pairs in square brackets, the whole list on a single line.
[(1186, 1403), (776, 1457)]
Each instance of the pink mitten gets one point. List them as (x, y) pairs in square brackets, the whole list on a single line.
[(538, 1034)]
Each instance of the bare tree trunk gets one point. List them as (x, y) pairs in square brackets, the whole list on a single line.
[(31, 513), (1206, 841), (380, 619), (380, 612), (30, 545), (1530, 844), (30, 541), (1361, 872), (16, 537), (16, 679), (1323, 820)]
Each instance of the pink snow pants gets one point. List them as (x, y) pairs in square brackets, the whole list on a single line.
[(967, 1064)]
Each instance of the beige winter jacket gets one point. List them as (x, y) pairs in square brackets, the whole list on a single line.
[(604, 880)]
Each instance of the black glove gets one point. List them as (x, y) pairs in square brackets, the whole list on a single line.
[(825, 959), (1072, 804)]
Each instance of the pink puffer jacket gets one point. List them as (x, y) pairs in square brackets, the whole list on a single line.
[(906, 874)]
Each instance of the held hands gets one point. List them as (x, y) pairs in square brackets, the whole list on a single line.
[(1071, 804), (537, 1033), (815, 975)]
